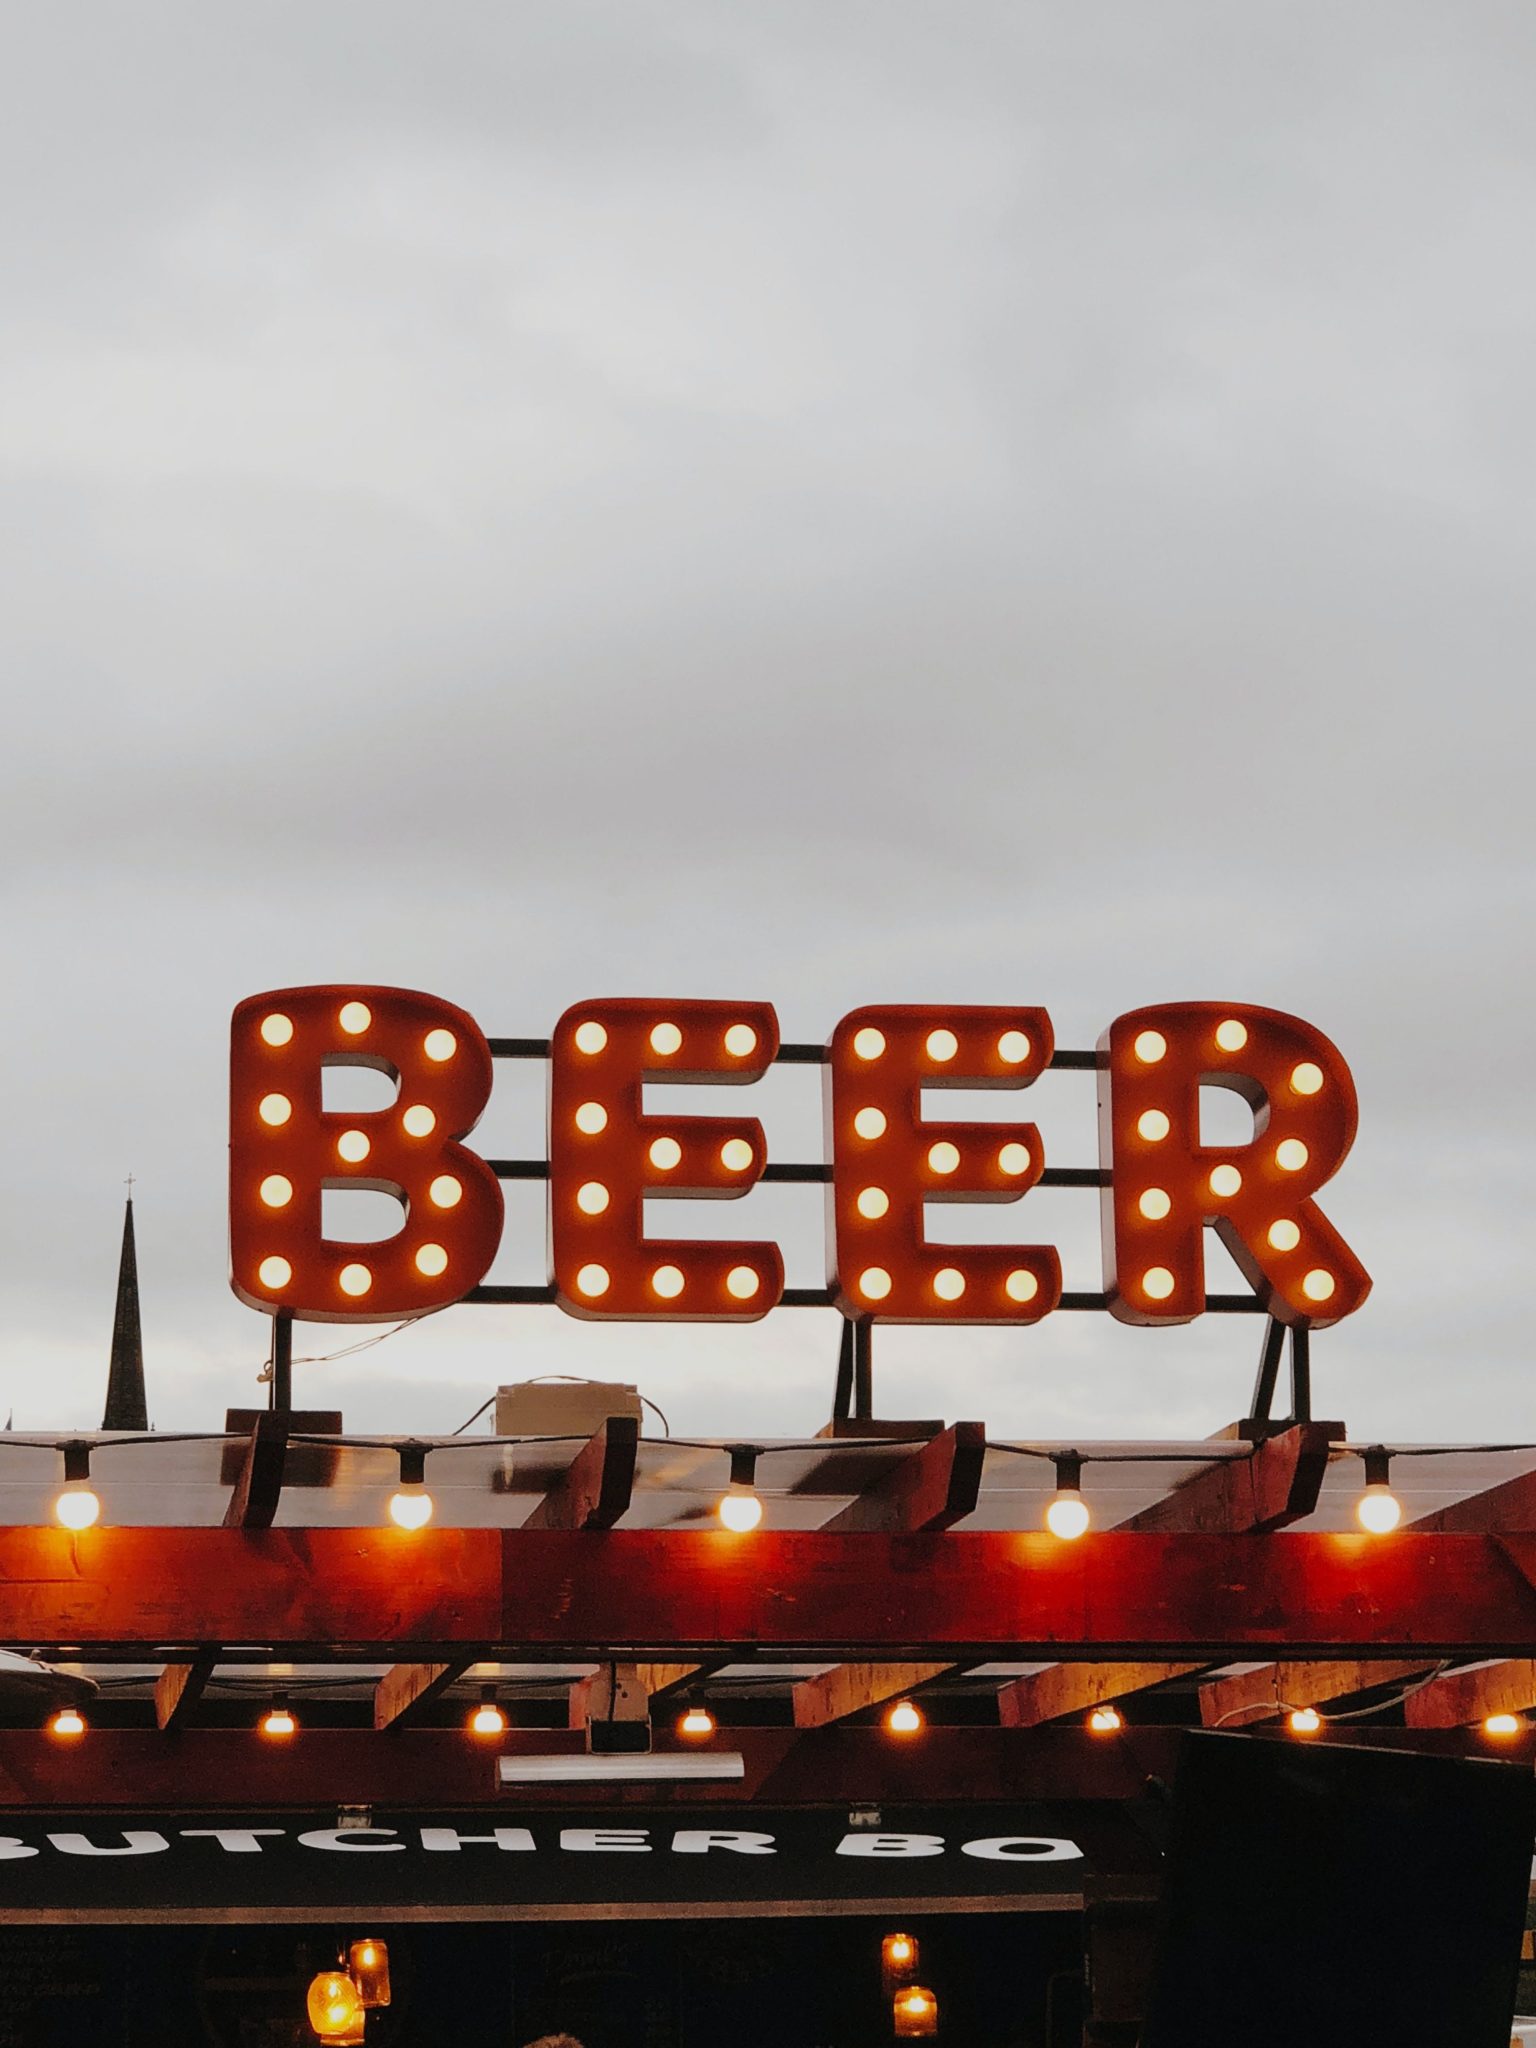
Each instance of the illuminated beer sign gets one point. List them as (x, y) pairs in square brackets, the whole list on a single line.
[(887, 1163)]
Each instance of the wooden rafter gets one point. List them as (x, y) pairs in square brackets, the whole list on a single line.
[(596, 1487), (851, 1688), (1456, 1699), (1264, 1693), (1064, 1689), (259, 1486), (406, 1690), (179, 1688), (932, 1487), (1278, 1485)]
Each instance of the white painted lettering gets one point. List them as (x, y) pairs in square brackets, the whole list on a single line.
[(140, 1842), (625, 1841), (12, 1846), (1021, 1849), (863, 1844), (699, 1842), (350, 1840), (450, 1839), (237, 1841)]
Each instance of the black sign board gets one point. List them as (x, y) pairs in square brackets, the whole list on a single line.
[(557, 1863)]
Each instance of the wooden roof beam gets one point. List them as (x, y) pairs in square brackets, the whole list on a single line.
[(1270, 1690), (179, 1688), (259, 1486), (406, 1690), (1274, 1487), (934, 1486), (596, 1487), (1456, 1699), (851, 1688), (1063, 1690)]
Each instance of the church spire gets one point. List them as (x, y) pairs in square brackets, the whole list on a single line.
[(126, 1408)]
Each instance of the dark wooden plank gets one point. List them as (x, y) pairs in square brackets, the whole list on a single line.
[(595, 1488), (259, 1485), (675, 1595), (931, 1488)]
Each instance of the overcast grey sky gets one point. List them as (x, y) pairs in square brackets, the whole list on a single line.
[(822, 503)]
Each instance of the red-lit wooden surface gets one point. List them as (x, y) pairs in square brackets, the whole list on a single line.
[(1112, 1595)]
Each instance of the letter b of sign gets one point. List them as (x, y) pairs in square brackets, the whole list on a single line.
[(286, 1149)]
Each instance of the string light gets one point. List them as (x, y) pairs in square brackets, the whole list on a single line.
[(488, 1718), (1067, 1516), (1105, 1720), (77, 1507), (1305, 1721), (1502, 1726), (697, 1723), (905, 1718), (1378, 1509), (67, 1723), (411, 1506), (739, 1508), (915, 2011), (278, 1722)]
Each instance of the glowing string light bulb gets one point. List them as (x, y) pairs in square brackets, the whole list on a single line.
[(1067, 1516), (1378, 1509), (740, 1509), (77, 1507), (697, 1723), (67, 1723), (488, 1718), (1105, 1721), (411, 1506), (905, 1718), (278, 1722), (1305, 1721)]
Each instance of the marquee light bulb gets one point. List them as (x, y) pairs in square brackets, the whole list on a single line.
[(742, 1282), (697, 1722), (740, 1510), (67, 1723), (1291, 1155), (1284, 1235), (439, 1045), (666, 1039), (665, 1153), (1153, 1125), (354, 1279), (1021, 1285), (276, 1029), (943, 1157), (869, 1043), (904, 1719), (668, 1282), (869, 1123), (419, 1121), (77, 1507), (1307, 1078), (1378, 1509), (1502, 1726), (1225, 1180), (591, 1037), (274, 1110), (740, 1040), (354, 1018), (1150, 1047), (872, 1202), (411, 1507), (874, 1283), (592, 1281), (1305, 1721), (431, 1261), (591, 1118), (942, 1045), (1155, 1204), (592, 1198), (1013, 1047), (1318, 1285), (1014, 1159), (354, 1146), (277, 1191), (736, 1155), (1231, 1034), (949, 1283), (1105, 1720), (274, 1272), (446, 1192), (1157, 1283)]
